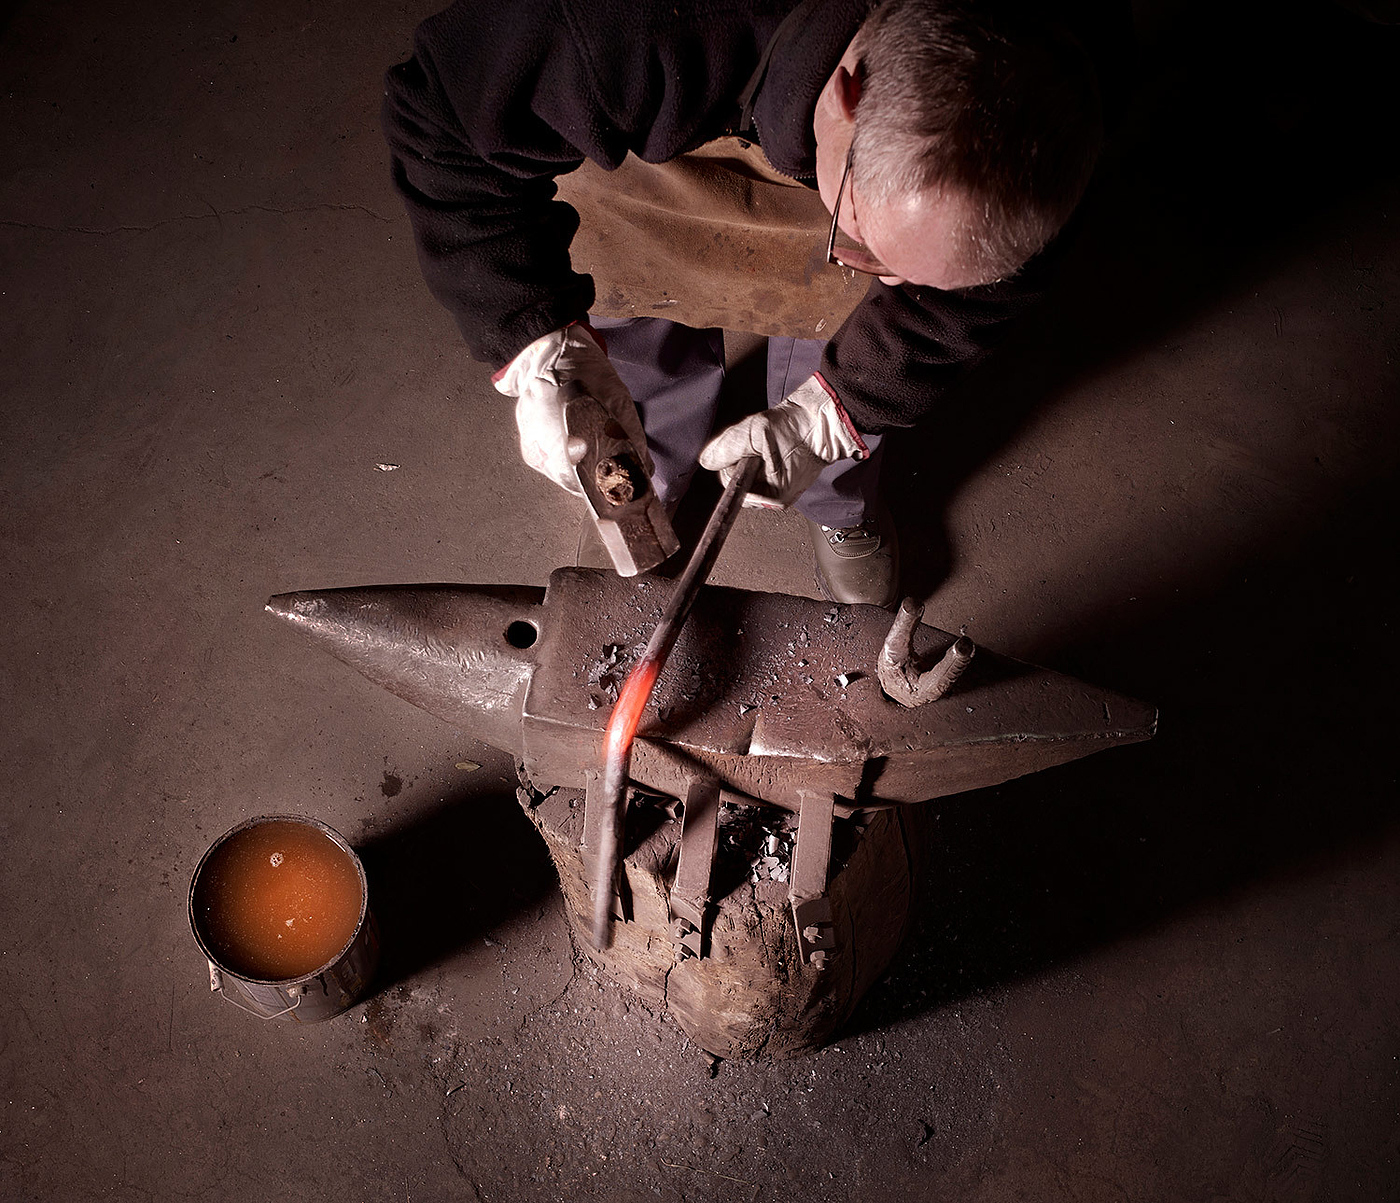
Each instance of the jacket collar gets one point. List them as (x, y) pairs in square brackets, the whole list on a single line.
[(804, 53)]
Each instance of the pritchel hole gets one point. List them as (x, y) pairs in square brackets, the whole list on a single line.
[(521, 634)]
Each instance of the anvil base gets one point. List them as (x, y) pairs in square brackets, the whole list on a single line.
[(751, 995)]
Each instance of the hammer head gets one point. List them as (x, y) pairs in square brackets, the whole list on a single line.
[(616, 488)]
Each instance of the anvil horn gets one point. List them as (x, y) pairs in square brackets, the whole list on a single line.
[(463, 653)]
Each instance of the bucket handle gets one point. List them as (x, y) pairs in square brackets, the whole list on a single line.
[(216, 986)]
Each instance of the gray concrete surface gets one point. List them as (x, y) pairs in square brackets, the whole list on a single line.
[(1167, 973)]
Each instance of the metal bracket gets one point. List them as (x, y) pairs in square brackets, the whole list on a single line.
[(811, 861), (690, 893)]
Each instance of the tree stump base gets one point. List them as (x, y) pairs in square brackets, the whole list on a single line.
[(750, 995)]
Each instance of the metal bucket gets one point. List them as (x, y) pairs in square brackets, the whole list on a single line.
[(311, 997)]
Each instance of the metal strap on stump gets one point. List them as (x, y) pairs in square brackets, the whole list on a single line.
[(690, 895), (811, 860)]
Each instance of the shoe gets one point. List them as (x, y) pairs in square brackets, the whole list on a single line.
[(858, 564)]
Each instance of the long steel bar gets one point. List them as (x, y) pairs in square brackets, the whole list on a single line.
[(611, 783)]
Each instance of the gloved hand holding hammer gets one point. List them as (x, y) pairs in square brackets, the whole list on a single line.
[(538, 378), (579, 426)]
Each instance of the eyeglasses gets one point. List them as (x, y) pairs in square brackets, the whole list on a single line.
[(850, 254)]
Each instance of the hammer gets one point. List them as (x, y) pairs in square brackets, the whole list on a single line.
[(630, 518)]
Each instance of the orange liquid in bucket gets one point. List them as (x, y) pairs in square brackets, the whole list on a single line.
[(277, 900)]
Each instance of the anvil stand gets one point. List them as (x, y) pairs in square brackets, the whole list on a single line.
[(746, 991)]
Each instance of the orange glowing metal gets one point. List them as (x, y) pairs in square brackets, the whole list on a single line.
[(627, 714)]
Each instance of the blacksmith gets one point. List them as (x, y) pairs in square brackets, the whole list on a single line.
[(876, 187)]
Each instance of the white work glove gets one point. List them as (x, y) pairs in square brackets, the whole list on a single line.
[(795, 439), (536, 378)]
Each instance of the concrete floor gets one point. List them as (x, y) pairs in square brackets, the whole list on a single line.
[(1165, 973)]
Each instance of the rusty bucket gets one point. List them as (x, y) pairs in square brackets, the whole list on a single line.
[(279, 906)]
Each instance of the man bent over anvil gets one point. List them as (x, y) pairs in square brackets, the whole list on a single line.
[(876, 187)]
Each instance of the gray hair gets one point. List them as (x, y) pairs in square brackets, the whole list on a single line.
[(984, 100)]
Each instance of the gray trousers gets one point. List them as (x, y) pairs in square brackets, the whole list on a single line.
[(675, 373)]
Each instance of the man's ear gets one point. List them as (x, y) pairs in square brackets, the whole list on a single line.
[(847, 92)]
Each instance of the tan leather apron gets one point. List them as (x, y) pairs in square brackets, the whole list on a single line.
[(716, 237)]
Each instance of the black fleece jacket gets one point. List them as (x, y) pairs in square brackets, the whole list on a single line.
[(499, 98)]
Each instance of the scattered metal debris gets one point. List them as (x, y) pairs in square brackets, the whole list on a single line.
[(607, 674), (759, 837)]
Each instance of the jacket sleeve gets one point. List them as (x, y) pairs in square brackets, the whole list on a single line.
[(903, 348), (475, 150)]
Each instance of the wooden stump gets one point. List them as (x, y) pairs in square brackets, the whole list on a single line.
[(751, 995)]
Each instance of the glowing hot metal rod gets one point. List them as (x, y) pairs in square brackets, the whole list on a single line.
[(766, 699)]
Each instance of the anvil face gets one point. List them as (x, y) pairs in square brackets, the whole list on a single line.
[(772, 696)]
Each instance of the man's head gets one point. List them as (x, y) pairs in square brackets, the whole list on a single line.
[(973, 128)]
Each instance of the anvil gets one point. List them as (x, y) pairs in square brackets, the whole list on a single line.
[(767, 699)]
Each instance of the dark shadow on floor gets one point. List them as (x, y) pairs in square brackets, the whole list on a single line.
[(1274, 675), (1252, 126), (1274, 758), (449, 875)]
